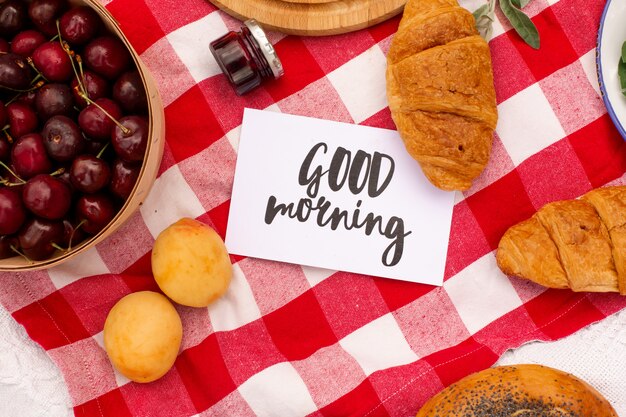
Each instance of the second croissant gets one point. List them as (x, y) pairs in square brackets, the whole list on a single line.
[(577, 244)]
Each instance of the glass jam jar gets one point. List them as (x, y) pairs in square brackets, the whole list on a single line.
[(246, 57)]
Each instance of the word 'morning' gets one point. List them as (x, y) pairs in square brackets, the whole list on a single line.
[(393, 229)]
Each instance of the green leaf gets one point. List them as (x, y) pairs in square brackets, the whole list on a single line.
[(521, 23), (486, 34), (484, 17), (520, 4), (481, 11), (621, 72), (485, 27), (624, 52)]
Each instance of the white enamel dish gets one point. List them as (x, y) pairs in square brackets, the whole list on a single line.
[(611, 36)]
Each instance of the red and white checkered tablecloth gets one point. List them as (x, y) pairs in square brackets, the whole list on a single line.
[(288, 340)]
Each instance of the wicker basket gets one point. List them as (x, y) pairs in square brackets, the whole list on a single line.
[(147, 175)]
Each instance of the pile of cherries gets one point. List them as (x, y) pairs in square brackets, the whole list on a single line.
[(74, 127)]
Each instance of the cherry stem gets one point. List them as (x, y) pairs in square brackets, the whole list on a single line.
[(80, 69), (32, 65), (7, 183), (106, 145), (37, 77), (15, 97), (16, 250), (71, 55), (9, 137), (58, 172), (78, 226), (54, 38), (5, 166), (36, 86), (124, 129), (55, 246)]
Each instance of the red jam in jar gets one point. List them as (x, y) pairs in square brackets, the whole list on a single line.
[(246, 57)]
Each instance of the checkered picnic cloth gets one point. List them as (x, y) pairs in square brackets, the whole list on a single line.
[(288, 340)]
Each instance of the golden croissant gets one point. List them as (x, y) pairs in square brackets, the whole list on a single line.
[(440, 92), (577, 244)]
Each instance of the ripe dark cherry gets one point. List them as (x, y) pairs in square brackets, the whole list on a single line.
[(62, 138), (37, 236), (107, 56), (96, 86), (123, 178), (47, 197), (12, 17), (54, 99), (95, 123), (53, 62), (12, 212), (22, 119), (29, 156), (25, 43), (44, 13), (96, 209), (129, 92), (7, 243), (131, 147), (79, 25), (89, 174), (4, 46), (15, 73)]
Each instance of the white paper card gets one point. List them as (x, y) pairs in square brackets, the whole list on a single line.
[(338, 196)]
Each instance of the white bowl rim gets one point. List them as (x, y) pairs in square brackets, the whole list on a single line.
[(605, 96)]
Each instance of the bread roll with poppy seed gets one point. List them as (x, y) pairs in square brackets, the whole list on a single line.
[(518, 391)]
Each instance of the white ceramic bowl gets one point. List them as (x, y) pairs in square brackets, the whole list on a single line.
[(611, 36)]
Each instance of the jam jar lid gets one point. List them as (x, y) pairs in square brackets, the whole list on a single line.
[(266, 47)]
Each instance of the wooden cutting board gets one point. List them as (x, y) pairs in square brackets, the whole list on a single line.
[(313, 17), (309, 1)]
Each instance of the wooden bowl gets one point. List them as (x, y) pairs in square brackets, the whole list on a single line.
[(147, 175)]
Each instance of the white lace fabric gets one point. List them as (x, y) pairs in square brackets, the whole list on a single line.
[(30, 384)]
